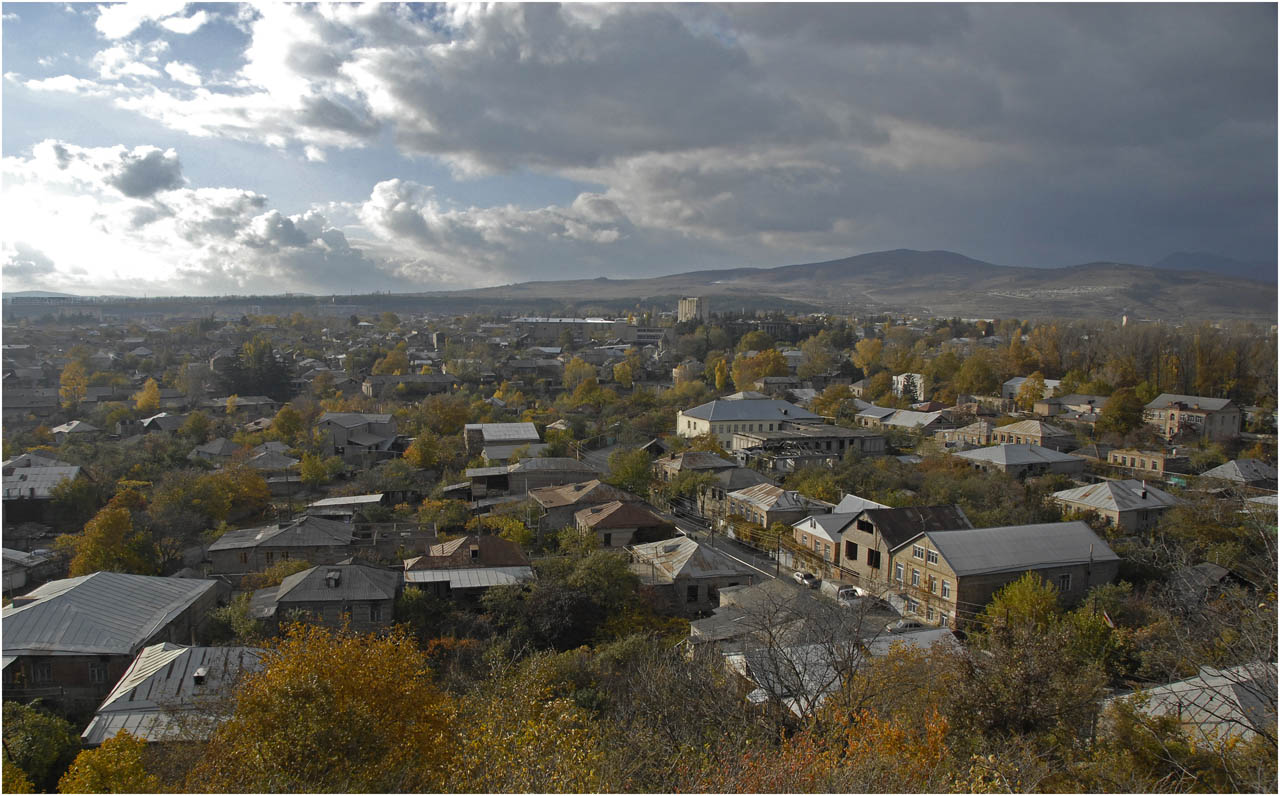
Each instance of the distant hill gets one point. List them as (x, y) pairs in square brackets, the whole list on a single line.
[(1217, 264), (936, 283), (37, 294)]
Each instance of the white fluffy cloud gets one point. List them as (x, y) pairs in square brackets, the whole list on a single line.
[(117, 20)]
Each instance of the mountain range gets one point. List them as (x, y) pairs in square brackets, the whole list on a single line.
[(937, 283)]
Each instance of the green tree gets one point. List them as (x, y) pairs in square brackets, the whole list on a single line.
[(976, 376), (576, 372), (754, 340), (148, 398), (288, 424), (316, 470), (197, 427), (424, 451), (114, 767), (1121, 413), (631, 470), (623, 375), (73, 384), (40, 744), (819, 356)]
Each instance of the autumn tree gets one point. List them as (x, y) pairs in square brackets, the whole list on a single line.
[(40, 744), (748, 370), (424, 452), (396, 362), (1121, 413), (721, 376), (316, 470), (110, 543), (576, 371), (73, 384), (443, 514), (623, 375), (977, 376), (114, 767), (1031, 390), (867, 353), (147, 399), (288, 424), (323, 697), (754, 340), (196, 427)]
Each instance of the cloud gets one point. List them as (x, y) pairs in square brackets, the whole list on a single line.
[(147, 171), (23, 266), (183, 73), (118, 20)]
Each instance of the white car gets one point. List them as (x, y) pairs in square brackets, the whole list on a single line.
[(807, 579), (903, 625)]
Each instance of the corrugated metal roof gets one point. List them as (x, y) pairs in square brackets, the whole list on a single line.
[(1034, 428), (305, 532), (1015, 548), (349, 500), (754, 410), (852, 504), (1164, 400), (160, 683), (355, 582), (1243, 471), (684, 558), (1117, 496), (905, 418), (829, 525), (478, 578), (1017, 454), (40, 479), (505, 432), (616, 514), (107, 613), (593, 491), (1218, 703)]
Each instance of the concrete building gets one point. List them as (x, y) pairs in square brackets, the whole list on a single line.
[(1128, 505), (728, 416), (1023, 460), (693, 308), (688, 576), (1208, 418)]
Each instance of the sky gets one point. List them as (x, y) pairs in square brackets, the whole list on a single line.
[(162, 148)]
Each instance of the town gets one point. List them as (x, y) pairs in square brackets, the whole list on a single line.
[(693, 546)]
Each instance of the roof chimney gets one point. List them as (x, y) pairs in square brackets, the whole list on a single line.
[(198, 675), (333, 577), (1144, 489)]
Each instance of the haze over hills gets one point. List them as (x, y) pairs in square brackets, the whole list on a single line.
[(941, 283), (1217, 264)]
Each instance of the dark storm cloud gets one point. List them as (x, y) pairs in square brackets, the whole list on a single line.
[(142, 174)]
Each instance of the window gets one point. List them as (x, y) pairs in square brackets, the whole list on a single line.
[(943, 619), (873, 558), (915, 577), (917, 551), (608, 540), (946, 589), (375, 612), (913, 607), (928, 613), (931, 556), (826, 551), (41, 672), (863, 525), (1064, 582), (97, 672), (933, 585), (850, 551), (270, 557), (284, 555), (691, 594), (897, 572)]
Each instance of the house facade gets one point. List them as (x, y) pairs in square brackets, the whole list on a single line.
[(870, 542), (1207, 418)]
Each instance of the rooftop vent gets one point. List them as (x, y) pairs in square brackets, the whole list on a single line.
[(475, 551), (333, 577), (198, 675)]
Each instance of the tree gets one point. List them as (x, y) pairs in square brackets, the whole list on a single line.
[(722, 376), (819, 356), (424, 451), (576, 372), (40, 744), (631, 470), (623, 375), (867, 353), (323, 697), (288, 423), (976, 376), (1121, 413), (748, 370), (73, 384), (74, 501), (148, 398), (15, 779), (504, 526), (316, 470), (1032, 390), (396, 362), (830, 400), (444, 514), (114, 767), (755, 340), (109, 543), (197, 427)]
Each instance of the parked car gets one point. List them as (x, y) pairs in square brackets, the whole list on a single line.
[(866, 603), (903, 625), (807, 579), (848, 593)]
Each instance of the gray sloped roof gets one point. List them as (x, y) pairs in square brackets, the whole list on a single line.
[(899, 525), (106, 613), (218, 447), (473, 578), (1243, 470), (40, 479), (684, 558), (731, 410), (854, 504), (505, 432), (160, 683), (355, 582), (1218, 703), (305, 532), (1124, 495), (1164, 400), (1016, 455), (352, 419), (1014, 548), (830, 524)]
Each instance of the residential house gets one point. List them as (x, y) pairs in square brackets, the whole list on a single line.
[(911, 420), (22, 569), (1076, 407), (527, 475), (688, 576), (820, 537), (1207, 418), (1245, 472), (346, 508), (1128, 505), (793, 445), (1217, 704), (946, 577), (69, 640), (1034, 432), (468, 566), (765, 504), (310, 539), (871, 542), (727, 416), (559, 504), (618, 524), (218, 452), (356, 596), (481, 436), (76, 428), (29, 482), (667, 468), (1009, 390), (171, 693), (1156, 463), (975, 434), (357, 437), (1023, 460), (382, 385), (713, 498), (910, 385)]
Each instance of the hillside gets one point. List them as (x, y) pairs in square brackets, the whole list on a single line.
[(936, 283)]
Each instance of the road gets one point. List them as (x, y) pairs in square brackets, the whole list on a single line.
[(696, 528)]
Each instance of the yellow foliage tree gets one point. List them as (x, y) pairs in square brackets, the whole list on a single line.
[(73, 384), (148, 398), (114, 767), (110, 543)]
